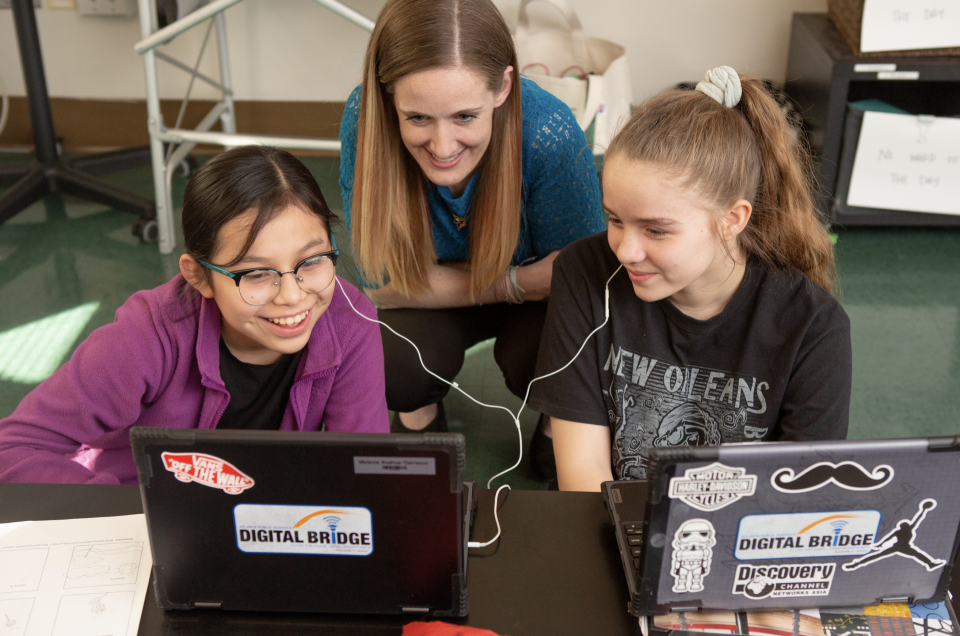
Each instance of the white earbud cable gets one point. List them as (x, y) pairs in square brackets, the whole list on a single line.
[(515, 417), (496, 517)]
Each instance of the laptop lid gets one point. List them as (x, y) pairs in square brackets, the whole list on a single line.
[(309, 522), (796, 525)]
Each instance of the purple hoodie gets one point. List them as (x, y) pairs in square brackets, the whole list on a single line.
[(158, 364)]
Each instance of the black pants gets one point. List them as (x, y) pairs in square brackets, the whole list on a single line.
[(443, 335)]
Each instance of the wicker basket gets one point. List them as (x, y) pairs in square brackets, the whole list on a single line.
[(848, 16)]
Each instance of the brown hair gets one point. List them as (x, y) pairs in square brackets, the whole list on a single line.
[(747, 152), (259, 178), (390, 227)]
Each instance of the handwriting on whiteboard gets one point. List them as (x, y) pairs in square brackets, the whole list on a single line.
[(909, 163), (893, 25)]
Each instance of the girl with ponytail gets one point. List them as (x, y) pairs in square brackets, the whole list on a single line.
[(723, 326)]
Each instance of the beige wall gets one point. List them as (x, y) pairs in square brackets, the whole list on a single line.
[(296, 50)]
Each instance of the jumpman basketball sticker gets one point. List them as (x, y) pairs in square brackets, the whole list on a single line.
[(899, 542)]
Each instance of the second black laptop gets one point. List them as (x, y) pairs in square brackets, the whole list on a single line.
[(307, 522)]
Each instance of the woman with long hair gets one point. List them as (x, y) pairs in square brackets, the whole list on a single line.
[(455, 173)]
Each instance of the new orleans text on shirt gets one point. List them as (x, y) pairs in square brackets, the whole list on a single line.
[(655, 403)]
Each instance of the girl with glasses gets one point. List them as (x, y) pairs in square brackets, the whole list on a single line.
[(254, 333), (456, 171)]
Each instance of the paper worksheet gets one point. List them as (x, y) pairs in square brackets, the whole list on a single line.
[(907, 162), (898, 25), (76, 577)]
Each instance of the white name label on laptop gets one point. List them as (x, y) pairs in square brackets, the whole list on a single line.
[(332, 530), (807, 534), (394, 466)]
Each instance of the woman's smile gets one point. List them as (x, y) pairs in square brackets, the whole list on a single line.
[(446, 121), (447, 162)]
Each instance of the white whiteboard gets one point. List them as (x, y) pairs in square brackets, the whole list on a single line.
[(895, 25), (906, 162)]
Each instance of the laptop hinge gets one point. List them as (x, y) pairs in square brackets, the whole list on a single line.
[(944, 443), (414, 610), (897, 599), (691, 608), (206, 605)]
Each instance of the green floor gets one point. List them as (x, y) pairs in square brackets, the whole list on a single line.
[(65, 266)]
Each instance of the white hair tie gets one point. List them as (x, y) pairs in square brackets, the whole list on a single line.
[(722, 84)]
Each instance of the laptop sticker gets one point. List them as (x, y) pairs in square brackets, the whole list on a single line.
[(806, 534), (712, 487), (847, 475), (280, 529), (207, 470), (899, 542), (394, 466), (779, 581), (692, 554)]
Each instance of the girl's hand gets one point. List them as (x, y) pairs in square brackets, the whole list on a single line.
[(534, 279)]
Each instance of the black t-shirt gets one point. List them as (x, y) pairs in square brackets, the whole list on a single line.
[(775, 364), (259, 393)]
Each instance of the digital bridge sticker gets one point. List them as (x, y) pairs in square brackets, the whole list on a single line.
[(320, 530), (712, 487), (807, 534), (207, 470)]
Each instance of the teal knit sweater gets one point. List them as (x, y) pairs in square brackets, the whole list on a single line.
[(561, 194)]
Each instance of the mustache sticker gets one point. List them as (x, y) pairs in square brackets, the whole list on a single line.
[(847, 475)]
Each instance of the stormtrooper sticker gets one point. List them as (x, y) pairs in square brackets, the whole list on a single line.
[(899, 542), (692, 553)]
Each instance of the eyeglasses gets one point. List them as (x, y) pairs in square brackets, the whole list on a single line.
[(261, 285)]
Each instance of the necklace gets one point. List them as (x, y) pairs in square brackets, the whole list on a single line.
[(458, 221)]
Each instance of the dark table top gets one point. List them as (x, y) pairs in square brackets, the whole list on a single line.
[(555, 569)]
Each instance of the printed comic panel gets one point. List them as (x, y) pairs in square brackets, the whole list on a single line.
[(104, 564), (103, 614), (20, 570), (15, 616)]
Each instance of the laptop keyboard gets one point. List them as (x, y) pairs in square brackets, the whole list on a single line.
[(634, 534)]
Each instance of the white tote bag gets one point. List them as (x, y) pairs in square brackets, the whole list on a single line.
[(590, 75)]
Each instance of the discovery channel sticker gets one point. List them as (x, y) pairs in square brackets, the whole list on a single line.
[(279, 529), (778, 581), (207, 470), (712, 487)]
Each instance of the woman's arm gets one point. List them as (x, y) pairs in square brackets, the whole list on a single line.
[(450, 287), (583, 455)]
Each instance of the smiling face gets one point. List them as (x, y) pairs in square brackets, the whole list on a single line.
[(260, 335), (667, 239), (446, 121)]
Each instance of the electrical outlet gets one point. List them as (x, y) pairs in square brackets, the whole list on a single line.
[(110, 8), (5, 4), (69, 5)]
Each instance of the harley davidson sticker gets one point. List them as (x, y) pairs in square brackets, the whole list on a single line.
[(712, 487)]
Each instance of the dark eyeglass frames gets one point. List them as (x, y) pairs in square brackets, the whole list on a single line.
[(261, 285)]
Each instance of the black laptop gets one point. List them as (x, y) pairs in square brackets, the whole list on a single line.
[(306, 522), (790, 525)]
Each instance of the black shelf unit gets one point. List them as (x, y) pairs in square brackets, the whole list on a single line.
[(824, 75)]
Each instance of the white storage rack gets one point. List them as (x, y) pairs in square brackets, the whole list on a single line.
[(182, 141)]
